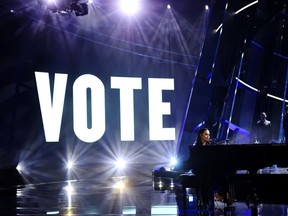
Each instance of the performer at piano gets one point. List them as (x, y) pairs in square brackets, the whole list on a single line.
[(285, 124), (263, 130), (203, 137), (206, 179)]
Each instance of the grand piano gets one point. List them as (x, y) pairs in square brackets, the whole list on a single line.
[(241, 168), (230, 158)]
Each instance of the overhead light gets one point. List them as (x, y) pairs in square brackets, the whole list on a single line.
[(129, 6)]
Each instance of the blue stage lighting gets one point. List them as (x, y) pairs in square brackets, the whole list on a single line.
[(129, 7)]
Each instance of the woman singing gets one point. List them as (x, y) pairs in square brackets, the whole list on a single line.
[(203, 137)]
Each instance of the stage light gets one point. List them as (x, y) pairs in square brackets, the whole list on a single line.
[(120, 185), (69, 189), (121, 164), (19, 168), (70, 165), (160, 184), (206, 7), (218, 28), (168, 6), (245, 7), (190, 198), (50, 1), (129, 7), (52, 212), (173, 162), (172, 185)]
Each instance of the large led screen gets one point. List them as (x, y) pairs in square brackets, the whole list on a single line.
[(97, 88)]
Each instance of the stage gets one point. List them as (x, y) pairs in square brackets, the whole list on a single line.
[(119, 195), (87, 88)]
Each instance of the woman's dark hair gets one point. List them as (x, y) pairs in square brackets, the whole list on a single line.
[(198, 138)]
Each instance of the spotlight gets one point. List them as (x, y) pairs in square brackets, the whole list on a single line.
[(69, 189), (168, 6), (206, 7), (70, 165), (19, 168), (173, 162), (129, 6), (120, 185), (121, 164)]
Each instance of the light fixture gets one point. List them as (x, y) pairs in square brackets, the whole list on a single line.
[(129, 7), (77, 7), (70, 165), (121, 164), (19, 168), (173, 161)]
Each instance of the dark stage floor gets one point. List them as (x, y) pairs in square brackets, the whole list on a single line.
[(114, 196)]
